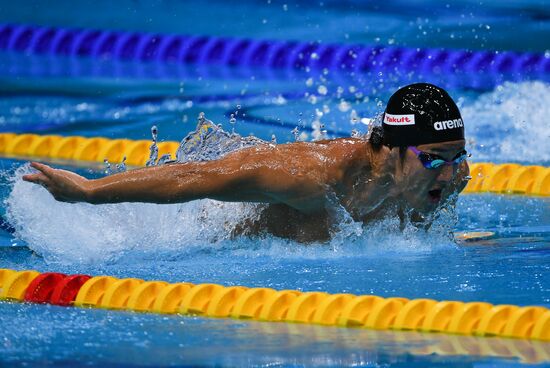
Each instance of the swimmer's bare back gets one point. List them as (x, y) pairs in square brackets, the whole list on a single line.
[(298, 175)]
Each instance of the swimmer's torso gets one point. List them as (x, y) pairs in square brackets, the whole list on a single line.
[(356, 187), (286, 222)]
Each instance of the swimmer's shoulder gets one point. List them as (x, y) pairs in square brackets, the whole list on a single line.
[(348, 150), (329, 152)]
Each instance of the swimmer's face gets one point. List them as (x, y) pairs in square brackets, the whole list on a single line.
[(424, 189)]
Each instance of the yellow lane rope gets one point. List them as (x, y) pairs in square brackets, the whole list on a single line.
[(266, 304)]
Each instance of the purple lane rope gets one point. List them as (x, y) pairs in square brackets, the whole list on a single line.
[(137, 46)]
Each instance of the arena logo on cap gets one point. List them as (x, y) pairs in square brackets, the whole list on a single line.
[(399, 119), (448, 124)]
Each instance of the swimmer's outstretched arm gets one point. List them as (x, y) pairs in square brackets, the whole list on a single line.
[(272, 176)]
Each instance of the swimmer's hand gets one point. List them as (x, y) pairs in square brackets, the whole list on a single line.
[(64, 185)]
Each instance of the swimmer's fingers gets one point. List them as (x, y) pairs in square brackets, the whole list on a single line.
[(45, 169), (42, 176), (49, 184), (38, 178), (63, 185)]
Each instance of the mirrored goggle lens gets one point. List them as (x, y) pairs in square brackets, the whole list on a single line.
[(436, 163), (461, 158)]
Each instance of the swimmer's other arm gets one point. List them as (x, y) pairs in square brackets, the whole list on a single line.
[(270, 176)]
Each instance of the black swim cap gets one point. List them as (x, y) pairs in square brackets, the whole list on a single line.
[(421, 113)]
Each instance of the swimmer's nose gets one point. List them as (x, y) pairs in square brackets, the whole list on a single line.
[(445, 174)]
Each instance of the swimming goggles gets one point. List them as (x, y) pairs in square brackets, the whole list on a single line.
[(431, 161)]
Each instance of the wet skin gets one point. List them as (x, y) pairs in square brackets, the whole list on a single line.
[(301, 183)]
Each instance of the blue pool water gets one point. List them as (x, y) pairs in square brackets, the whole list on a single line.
[(506, 122)]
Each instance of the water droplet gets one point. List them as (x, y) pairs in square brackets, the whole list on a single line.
[(295, 132), (322, 90), (107, 167), (232, 121), (353, 117), (121, 167), (309, 82), (153, 148), (280, 100), (344, 106)]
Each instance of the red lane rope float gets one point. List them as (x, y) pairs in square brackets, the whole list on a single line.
[(66, 290), (41, 288), (54, 288), (265, 304)]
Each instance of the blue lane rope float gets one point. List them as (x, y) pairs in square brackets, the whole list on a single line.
[(26, 65), (146, 47)]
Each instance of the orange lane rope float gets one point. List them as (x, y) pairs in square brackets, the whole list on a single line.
[(266, 304), (530, 180)]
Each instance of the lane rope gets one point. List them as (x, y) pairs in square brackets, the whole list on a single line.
[(267, 304), (194, 49), (508, 178)]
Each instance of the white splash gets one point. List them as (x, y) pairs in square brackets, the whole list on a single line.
[(82, 232), (510, 123)]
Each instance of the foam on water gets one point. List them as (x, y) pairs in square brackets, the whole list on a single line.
[(510, 123)]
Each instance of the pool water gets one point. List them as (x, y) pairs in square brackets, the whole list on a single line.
[(505, 122)]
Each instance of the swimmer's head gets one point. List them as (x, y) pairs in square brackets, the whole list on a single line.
[(424, 130), (421, 113)]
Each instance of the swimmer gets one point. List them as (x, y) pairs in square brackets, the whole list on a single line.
[(412, 164)]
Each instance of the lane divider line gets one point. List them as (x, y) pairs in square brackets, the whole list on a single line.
[(270, 54), (266, 304)]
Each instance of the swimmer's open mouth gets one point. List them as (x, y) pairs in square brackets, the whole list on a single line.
[(435, 195)]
